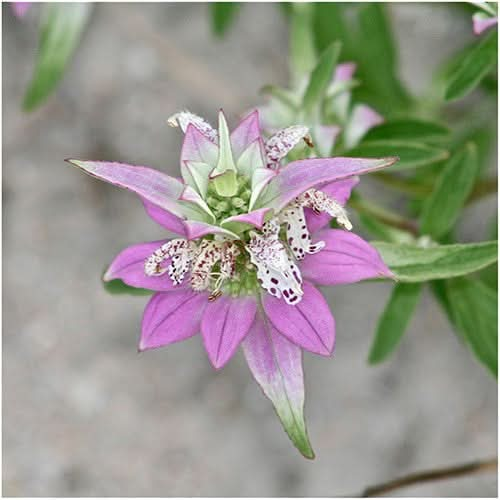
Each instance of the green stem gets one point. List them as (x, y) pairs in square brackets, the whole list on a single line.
[(384, 215)]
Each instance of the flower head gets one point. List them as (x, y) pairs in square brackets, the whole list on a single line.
[(252, 241)]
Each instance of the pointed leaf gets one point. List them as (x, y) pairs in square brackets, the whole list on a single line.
[(476, 64), (276, 365), (407, 129), (118, 287), (394, 320), (453, 186), (413, 264), (474, 308), (62, 26)]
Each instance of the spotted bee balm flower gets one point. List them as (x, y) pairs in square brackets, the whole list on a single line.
[(252, 242)]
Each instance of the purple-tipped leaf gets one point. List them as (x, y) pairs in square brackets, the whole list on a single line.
[(170, 317), (164, 218), (308, 324), (362, 119), (276, 365), (225, 323), (301, 175), (195, 230), (128, 266), (481, 22), (346, 258), (20, 8), (247, 131), (151, 185), (197, 147), (255, 218)]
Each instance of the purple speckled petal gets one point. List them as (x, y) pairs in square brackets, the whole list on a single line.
[(149, 184), (362, 119), (276, 365), (301, 175), (247, 131), (198, 148), (308, 324), (128, 266), (346, 258), (196, 229), (481, 22), (164, 218), (20, 8), (254, 218), (340, 191), (225, 323), (170, 317)]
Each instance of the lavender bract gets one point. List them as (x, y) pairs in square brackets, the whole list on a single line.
[(252, 242)]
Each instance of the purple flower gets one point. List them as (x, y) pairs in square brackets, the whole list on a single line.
[(20, 8), (252, 242), (486, 18)]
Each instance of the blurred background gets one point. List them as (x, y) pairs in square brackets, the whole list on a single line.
[(83, 413)]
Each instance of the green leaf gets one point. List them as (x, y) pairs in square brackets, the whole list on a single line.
[(453, 186), (378, 229), (410, 130), (302, 50), (330, 25), (223, 14), (413, 264), (476, 64), (320, 77), (394, 320), (118, 287), (411, 154), (62, 26), (474, 308)]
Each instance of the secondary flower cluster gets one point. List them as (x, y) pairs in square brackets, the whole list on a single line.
[(252, 241)]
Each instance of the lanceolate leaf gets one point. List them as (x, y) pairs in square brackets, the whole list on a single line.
[(62, 26), (302, 51), (223, 14), (452, 189), (413, 264), (410, 130), (394, 320), (276, 364), (474, 308), (411, 154), (473, 68), (320, 77)]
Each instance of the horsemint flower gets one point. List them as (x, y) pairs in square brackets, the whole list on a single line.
[(252, 241), (485, 18)]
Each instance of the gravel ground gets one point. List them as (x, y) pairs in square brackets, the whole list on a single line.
[(84, 414)]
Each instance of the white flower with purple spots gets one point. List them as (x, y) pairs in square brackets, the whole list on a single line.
[(252, 242)]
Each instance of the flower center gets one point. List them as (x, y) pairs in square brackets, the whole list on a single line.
[(223, 207)]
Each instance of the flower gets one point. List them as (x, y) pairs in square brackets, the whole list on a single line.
[(252, 242), (334, 121), (486, 17), (20, 8)]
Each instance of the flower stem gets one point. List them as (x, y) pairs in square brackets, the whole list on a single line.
[(384, 215)]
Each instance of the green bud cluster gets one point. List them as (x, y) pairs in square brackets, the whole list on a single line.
[(223, 207)]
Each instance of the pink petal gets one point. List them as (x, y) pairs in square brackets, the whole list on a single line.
[(346, 258), (344, 72), (196, 229), (276, 365), (225, 323), (362, 119), (164, 218), (481, 22), (20, 8), (152, 185), (301, 175), (340, 191), (170, 317), (197, 147), (247, 131), (324, 138), (308, 324), (128, 266), (254, 218)]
